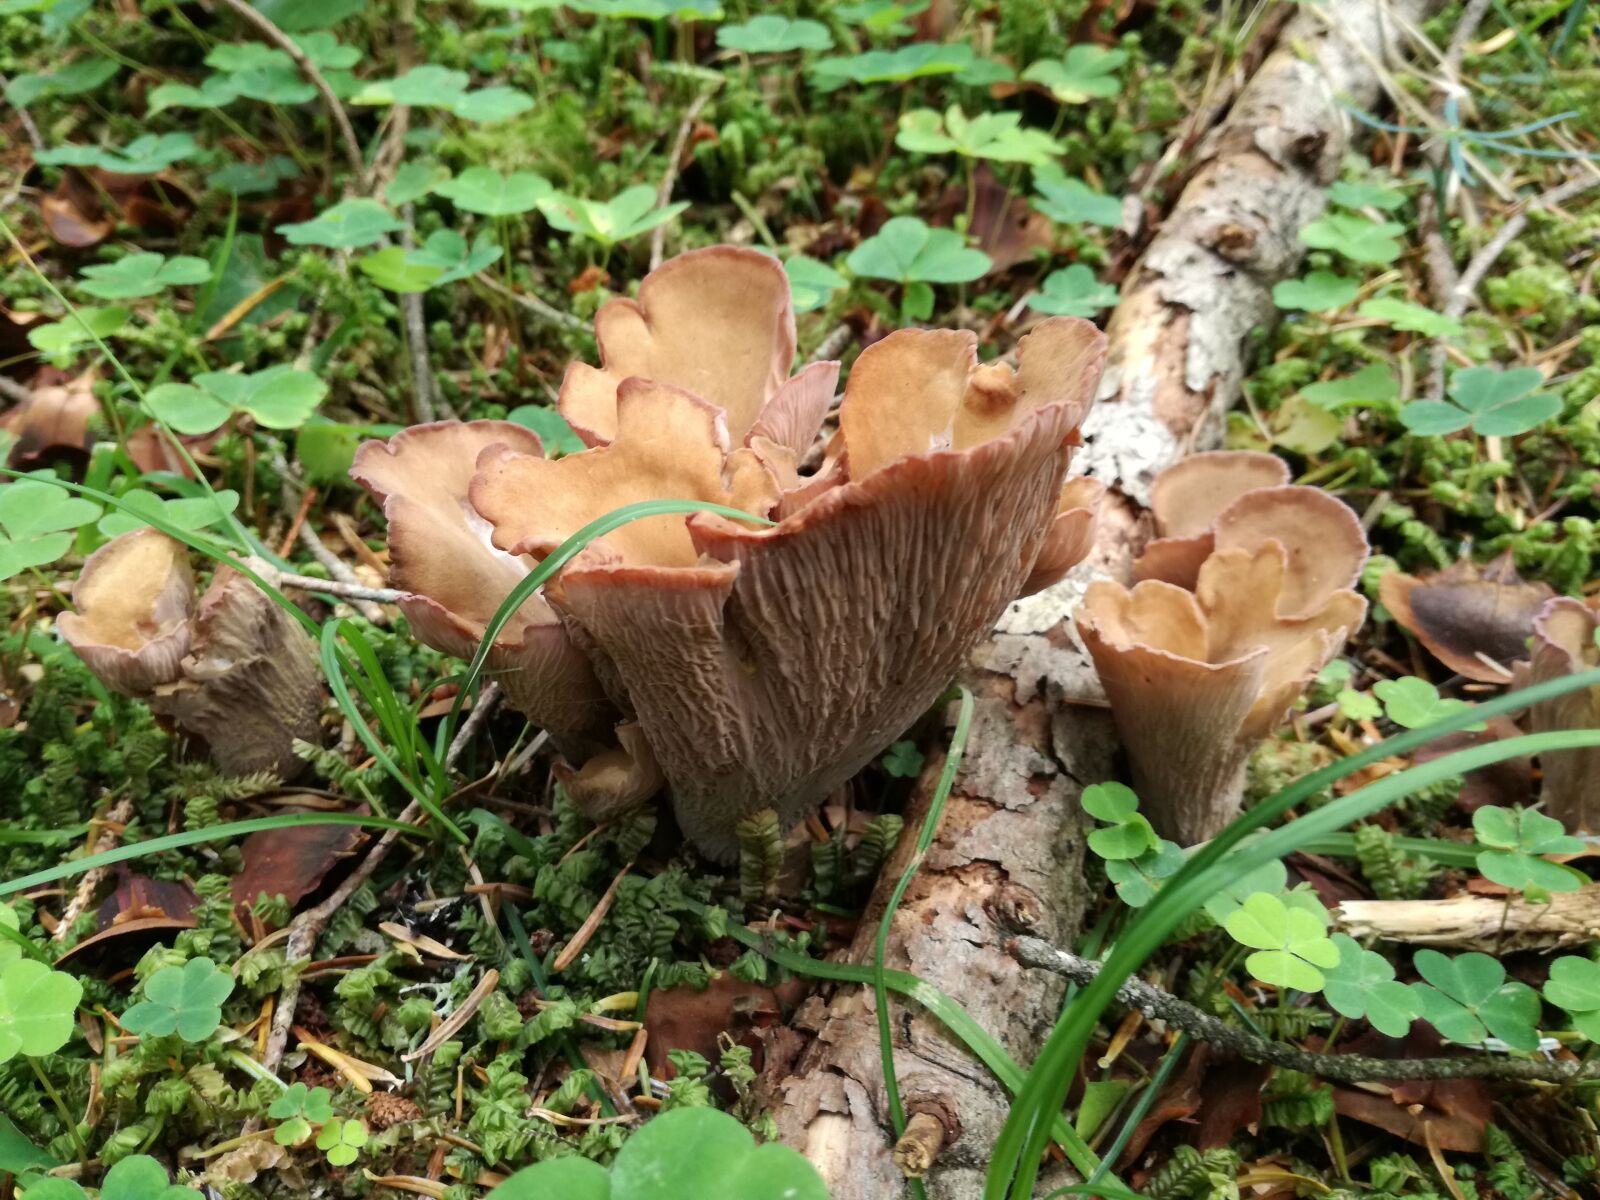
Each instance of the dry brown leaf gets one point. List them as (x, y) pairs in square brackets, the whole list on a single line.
[(291, 862), (55, 416), (1475, 620)]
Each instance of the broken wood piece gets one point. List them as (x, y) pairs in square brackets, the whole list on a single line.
[(1496, 925)]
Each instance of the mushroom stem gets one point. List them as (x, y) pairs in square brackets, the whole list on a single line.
[(1564, 643)]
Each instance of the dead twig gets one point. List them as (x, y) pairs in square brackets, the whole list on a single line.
[(335, 587), (533, 304), (1341, 1068), (658, 238), (424, 388), (24, 119), (336, 113), (341, 572)]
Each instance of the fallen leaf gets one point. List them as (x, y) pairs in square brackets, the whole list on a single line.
[(1179, 1101), (1230, 1102), (1454, 1112), (292, 862), (55, 416), (149, 930), (1007, 228), (1469, 617), (74, 213), (682, 1018), (1504, 783)]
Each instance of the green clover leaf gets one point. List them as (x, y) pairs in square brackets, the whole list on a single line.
[(1071, 201), (143, 275), (1414, 703), (1292, 945), (1373, 386), (395, 270), (1410, 318), (140, 1177), (1467, 999), (448, 250), (186, 1000), (280, 397), (1138, 879), (143, 156), (413, 181), (552, 428), (84, 75), (1355, 237), (1072, 292), (1271, 876), (905, 250), (1086, 73), (624, 216), (37, 523), (37, 1006), (914, 61), (1492, 402), (1351, 194), (1362, 984), (903, 760), (60, 340), (769, 34), (342, 1140), (996, 136), (1516, 838), (214, 91), (812, 283), (1320, 291), (190, 513), (1574, 985), (484, 190), (346, 226)]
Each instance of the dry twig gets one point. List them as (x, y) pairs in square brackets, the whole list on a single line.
[(658, 238)]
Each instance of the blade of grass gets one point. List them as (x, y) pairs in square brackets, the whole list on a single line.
[(193, 837)]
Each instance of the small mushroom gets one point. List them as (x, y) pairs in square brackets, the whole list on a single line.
[(1187, 498), (1564, 644), (1197, 677), (235, 671)]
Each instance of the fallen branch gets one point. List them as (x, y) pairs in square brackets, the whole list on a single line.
[(1341, 1068), (1493, 924), (658, 237), (341, 572)]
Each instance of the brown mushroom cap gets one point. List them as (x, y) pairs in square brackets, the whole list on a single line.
[(443, 557), (717, 323), (1323, 539), (1188, 497), (669, 445), (1071, 534), (1563, 644), (134, 597), (1475, 620)]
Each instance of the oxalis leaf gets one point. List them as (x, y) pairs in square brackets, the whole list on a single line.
[(1410, 318), (682, 1152), (1517, 837), (143, 275), (484, 190), (906, 250), (1292, 944), (1086, 73), (280, 397), (1362, 984), (38, 519), (1492, 402), (1355, 237), (1467, 999), (1320, 291), (1412, 702), (192, 513), (609, 222), (37, 1006), (1073, 292), (341, 1141), (1574, 985), (1071, 201), (345, 226), (769, 34), (185, 1000), (812, 282)]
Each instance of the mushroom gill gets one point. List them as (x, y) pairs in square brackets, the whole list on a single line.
[(234, 670), (1199, 675), (762, 667)]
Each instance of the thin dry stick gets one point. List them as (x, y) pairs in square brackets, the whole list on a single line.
[(1467, 286), (834, 344), (1471, 17), (335, 587), (336, 112), (120, 814), (26, 121), (533, 304), (424, 389), (658, 238), (12, 390), (341, 571), (1341, 1068)]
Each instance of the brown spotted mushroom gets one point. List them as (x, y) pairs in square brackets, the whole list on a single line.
[(1564, 644), (1202, 664), (762, 666), (233, 670)]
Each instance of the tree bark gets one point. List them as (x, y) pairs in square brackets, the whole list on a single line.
[(1009, 854)]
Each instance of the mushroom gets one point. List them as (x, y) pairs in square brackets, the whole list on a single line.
[(1564, 644), (1198, 676), (761, 667), (1475, 620), (235, 671), (454, 578), (1187, 498)]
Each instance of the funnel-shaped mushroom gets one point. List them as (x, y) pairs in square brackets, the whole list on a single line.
[(1564, 644), (454, 578), (1475, 620), (764, 666), (1198, 677), (1185, 501), (236, 672)]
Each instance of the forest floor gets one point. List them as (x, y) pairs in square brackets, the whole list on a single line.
[(240, 239)]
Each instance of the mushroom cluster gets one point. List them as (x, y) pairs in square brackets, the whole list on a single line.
[(750, 667), (1242, 598), (233, 669)]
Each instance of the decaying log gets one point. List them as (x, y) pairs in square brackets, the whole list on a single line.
[(1010, 850), (1493, 924)]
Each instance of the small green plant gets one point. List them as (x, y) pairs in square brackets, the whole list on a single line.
[(918, 60), (1574, 984), (1072, 292), (341, 1140), (1070, 200), (1086, 73), (903, 760), (996, 136), (1136, 875), (143, 275), (348, 225), (682, 1152), (486, 191), (298, 1109), (185, 1000), (38, 521), (610, 222), (1487, 400), (1468, 999), (453, 259), (1410, 318), (1355, 237), (1411, 702), (144, 155), (812, 283), (137, 1177), (1517, 839), (908, 252), (1362, 984), (37, 1007), (769, 34), (1318, 291), (280, 397), (1290, 942), (1374, 386)]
